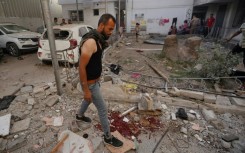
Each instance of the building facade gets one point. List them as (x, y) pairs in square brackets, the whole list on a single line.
[(157, 16), (26, 13), (89, 10), (229, 14)]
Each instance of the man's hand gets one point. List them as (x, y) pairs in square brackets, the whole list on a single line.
[(88, 96)]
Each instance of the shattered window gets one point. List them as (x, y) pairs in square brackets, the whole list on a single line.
[(58, 34)]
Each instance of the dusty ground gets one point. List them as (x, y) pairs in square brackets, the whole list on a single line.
[(42, 138)]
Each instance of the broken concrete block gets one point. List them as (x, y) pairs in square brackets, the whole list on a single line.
[(173, 116), (238, 101), (192, 94), (31, 101), (3, 144), (230, 137), (21, 98), (21, 125), (52, 100), (5, 124), (225, 144), (161, 93), (217, 124), (16, 144), (222, 100), (183, 130), (38, 90), (209, 98), (209, 115), (191, 117), (26, 89)]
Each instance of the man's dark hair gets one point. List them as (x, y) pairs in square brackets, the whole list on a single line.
[(55, 18), (105, 18)]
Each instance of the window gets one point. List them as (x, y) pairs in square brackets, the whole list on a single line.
[(73, 15), (58, 34), (1, 33), (96, 12)]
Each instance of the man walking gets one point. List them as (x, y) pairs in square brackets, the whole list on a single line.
[(240, 47), (90, 68)]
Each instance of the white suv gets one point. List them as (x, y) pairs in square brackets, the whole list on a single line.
[(16, 38), (67, 39)]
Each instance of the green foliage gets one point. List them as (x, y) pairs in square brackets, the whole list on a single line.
[(218, 65)]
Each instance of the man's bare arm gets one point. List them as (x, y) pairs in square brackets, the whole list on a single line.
[(87, 50), (234, 35)]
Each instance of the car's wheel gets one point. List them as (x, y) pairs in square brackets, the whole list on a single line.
[(13, 49)]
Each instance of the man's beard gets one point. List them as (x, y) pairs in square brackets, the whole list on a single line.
[(106, 37)]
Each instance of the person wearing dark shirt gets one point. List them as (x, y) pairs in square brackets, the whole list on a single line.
[(90, 68)]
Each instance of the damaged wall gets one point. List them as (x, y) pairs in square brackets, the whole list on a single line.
[(156, 17)]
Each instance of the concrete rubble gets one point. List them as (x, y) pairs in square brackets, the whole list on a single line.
[(39, 116)]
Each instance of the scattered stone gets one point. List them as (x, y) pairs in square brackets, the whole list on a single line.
[(217, 124), (225, 144), (198, 137), (161, 93), (209, 115), (16, 144), (164, 106), (183, 130), (21, 125), (43, 129), (31, 101), (26, 89), (3, 144), (230, 137), (29, 108), (238, 101), (75, 81), (173, 116), (16, 136), (38, 90), (192, 94), (5, 124), (191, 117), (21, 98), (222, 100), (196, 127), (107, 78), (40, 95), (36, 107), (136, 118), (27, 112), (209, 98), (52, 100), (198, 67), (96, 142), (239, 145)]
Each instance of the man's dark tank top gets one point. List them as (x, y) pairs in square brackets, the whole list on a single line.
[(94, 67)]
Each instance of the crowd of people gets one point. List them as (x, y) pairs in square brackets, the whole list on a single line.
[(195, 26)]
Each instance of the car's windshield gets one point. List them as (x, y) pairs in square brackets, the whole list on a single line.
[(8, 29)]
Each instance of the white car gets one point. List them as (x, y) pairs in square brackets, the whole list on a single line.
[(67, 39), (16, 38)]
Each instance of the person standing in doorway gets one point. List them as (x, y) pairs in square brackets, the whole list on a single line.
[(69, 21), (210, 23), (195, 23), (137, 31), (63, 22), (240, 47), (90, 68)]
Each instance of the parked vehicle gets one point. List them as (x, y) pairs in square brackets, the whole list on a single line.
[(16, 38), (67, 38)]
